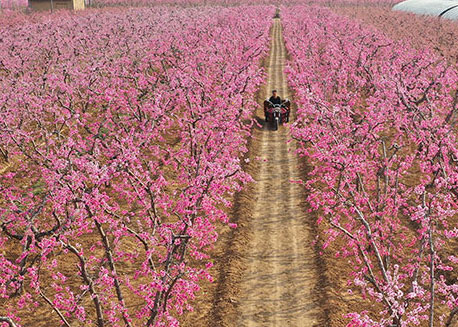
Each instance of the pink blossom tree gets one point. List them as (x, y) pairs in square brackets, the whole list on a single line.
[(377, 120), (121, 134)]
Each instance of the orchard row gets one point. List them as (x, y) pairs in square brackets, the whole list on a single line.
[(122, 133), (377, 120)]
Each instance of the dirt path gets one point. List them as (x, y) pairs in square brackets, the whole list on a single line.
[(278, 287), (269, 273)]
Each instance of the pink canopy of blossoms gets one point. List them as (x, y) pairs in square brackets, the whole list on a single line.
[(121, 138), (377, 120)]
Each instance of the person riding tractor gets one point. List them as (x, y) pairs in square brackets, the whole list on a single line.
[(275, 98), (276, 110)]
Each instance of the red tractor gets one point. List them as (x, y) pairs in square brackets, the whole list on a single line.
[(277, 114)]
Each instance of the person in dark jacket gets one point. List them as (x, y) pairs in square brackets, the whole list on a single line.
[(275, 98)]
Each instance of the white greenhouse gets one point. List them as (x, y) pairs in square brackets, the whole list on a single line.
[(440, 8)]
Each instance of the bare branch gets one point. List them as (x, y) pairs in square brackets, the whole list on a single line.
[(9, 321), (56, 310)]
